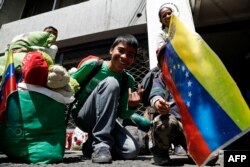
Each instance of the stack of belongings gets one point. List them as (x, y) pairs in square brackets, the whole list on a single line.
[(24, 43), (34, 129)]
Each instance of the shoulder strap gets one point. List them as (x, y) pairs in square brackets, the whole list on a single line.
[(93, 72), (124, 82)]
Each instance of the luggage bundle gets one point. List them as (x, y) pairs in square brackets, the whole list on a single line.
[(32, 112), (34, 129)]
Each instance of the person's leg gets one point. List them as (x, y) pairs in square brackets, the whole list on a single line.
[(178, 143), (177, 137), (159, 144), (166, 129), (98, 115), (125, 146)]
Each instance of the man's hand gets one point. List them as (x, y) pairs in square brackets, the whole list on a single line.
[(162, 106), (134, 98)]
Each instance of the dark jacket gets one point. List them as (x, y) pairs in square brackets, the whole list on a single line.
[(159, 88)]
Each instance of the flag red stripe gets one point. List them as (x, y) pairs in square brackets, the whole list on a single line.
[(197, 146), (9, 87)]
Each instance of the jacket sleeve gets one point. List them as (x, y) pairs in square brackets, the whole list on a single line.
[(159, 90)]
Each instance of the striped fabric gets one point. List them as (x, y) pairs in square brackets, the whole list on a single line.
[(214, 113)]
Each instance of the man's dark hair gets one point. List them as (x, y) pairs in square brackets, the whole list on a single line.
[(128, 38), (50, 27)]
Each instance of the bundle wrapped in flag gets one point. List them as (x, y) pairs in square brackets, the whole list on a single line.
[(213, 111), (8, 83)]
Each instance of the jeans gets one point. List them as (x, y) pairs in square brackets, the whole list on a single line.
[(98, 117)]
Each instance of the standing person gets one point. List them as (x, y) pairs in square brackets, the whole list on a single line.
[(99, 104), (51, 30), (31, 41), (165, 13), (164, 17), (51, 49), (28, 41)]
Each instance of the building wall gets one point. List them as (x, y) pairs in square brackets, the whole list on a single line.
[(92, 21), (85, 22), (11, 10)]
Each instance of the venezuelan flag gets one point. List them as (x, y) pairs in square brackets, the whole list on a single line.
[(8, 84), (213, 111)]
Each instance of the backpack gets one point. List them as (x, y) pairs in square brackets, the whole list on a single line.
[(88, 58), (147, 83), (94, 71)]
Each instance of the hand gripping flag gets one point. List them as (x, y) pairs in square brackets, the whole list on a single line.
[(213, 111), (8, 84)]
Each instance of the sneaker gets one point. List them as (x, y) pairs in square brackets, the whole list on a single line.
[(102, 156), (161, 160), (179, 150)]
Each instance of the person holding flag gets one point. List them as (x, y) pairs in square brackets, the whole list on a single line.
[(165, 12), (167, 127)]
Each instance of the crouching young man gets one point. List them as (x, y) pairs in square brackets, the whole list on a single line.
[(108, 95)]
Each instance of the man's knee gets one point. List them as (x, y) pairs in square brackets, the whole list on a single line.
[(111, 84), (130, 150)]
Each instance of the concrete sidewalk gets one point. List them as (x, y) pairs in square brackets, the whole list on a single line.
[(75, 159)]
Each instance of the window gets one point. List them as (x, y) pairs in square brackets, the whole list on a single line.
[(33, 7), (64, 3)]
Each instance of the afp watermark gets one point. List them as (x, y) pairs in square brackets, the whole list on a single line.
[(233, 158)]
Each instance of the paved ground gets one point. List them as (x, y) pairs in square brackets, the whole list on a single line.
[(75, 159)]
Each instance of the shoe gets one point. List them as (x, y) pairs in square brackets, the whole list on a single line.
[(102, 156), (87, 149), (179, 150), (161, 160)]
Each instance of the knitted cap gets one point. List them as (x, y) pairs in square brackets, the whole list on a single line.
[(172, 6), (34, 69)]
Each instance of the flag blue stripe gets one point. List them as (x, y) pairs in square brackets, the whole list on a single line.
[(214, 124)]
